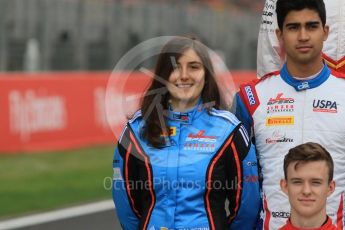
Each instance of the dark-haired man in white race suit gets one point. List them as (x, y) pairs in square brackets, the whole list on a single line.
[(271, 55), (303, 101)]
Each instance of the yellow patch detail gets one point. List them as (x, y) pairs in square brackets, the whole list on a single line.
[(280, 120), (172, 132)]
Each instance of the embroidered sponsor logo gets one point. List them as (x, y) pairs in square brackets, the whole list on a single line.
[(269, 6), (278, 138), (267, 13), (303, 86), (267, 22), (181, 117), (325, 106), (200, 142), (250, 95), (252, 163), (251, 178), (117, 174), (281, 100), (202, 147), (280, 104), (280, 108), (201, 137), (172, 132), (281, 214), (280, 120)]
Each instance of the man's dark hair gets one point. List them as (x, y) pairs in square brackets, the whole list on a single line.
[(285, 6), (309, 152)]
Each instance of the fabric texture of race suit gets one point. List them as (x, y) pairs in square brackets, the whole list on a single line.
[(270, 55), (281, 112), (326, 226), (208, 158)]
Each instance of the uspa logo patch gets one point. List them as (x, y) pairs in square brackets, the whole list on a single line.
[(325, 106)]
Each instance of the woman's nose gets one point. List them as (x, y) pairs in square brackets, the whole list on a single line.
[(184, 74)]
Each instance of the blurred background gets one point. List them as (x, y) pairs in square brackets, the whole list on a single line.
[(94, 35), (56, 57)]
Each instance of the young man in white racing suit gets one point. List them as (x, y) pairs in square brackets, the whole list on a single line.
[(302, 102), (270, 54)]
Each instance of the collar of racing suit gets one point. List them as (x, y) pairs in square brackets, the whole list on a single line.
[(300, 85), (188, 116)]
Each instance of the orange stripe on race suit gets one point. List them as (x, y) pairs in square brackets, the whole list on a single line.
[(148, 177), (209, 184)]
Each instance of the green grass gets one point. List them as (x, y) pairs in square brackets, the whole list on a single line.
[(43, 181)]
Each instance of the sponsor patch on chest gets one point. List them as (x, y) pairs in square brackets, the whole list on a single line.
[(280, 104), (280, 120), (325, 106), (278, 137), (200, 142), (200, 137)]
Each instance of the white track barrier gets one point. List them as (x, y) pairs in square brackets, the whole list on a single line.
[(57, 215)]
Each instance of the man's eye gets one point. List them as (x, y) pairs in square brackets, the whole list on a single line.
[(292, 28), (316, 182), (313, 26)]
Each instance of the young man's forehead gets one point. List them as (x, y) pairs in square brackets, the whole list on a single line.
[(305, 15), (295, 166), (314, 178)]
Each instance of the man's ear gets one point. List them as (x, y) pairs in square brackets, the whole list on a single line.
[(326, 31), (283, 186), (331, 187), (279, 34)]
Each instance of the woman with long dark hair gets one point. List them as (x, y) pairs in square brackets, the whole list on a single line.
[(181, 161)]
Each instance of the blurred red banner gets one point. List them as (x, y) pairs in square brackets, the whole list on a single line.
[(62, 110)]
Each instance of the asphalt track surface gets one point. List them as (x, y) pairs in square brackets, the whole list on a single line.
[(105, 220)]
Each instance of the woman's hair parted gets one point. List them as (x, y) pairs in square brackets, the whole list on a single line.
[(154, 105)]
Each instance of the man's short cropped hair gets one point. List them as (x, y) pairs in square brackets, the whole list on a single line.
[(284, 7), (309, 152)]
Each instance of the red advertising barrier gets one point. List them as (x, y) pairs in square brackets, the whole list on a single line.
[(61, 110)]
